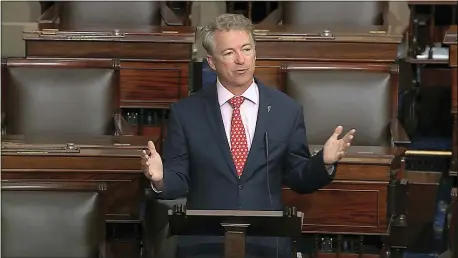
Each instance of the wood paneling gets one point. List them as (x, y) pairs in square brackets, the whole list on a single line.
[(343, 207), (152, 84)]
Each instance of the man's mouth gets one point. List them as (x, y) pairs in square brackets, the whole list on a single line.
[(241, 71)]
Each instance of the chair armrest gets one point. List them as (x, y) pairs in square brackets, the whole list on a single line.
[(49, 19), (399, 137), (121, 125)]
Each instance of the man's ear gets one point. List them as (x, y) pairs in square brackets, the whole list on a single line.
[(210, 62)]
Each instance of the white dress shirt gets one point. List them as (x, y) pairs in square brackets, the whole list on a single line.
[(248, 112)]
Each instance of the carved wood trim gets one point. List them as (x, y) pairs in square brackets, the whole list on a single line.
[(61, 63), (36, 185)]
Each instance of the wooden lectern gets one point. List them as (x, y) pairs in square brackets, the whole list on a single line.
[(235, 225)]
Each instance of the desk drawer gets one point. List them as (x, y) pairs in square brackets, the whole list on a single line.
[(343, 207)]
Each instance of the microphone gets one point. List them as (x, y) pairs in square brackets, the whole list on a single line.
[(266, 140)]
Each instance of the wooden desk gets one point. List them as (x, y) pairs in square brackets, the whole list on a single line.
[(281, 45), (358, 200), (110, 159), (451, 40)]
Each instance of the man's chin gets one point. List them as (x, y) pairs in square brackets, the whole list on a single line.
[(244, 81)]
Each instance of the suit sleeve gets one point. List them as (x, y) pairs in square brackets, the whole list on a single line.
[(304, 173), (175, 158)]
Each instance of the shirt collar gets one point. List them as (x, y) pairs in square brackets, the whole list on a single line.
[(252, 93)]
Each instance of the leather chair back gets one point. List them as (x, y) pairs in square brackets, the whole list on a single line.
[(353, 98), (109, 14), (345, 13), (62, 220), (72, 97)]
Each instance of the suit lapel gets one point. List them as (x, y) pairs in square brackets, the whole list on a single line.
[(216, 122), (259, 134)]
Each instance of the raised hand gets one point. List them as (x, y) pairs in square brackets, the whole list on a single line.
[(152, 163), (335, 149)]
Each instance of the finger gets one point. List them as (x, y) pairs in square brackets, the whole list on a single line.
[(349, 136), (144, 161), (343, 146), (144, 164), (144, 155), (342, 154), (151, 147), (337, 131)]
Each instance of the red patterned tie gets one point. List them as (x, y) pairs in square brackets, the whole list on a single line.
[(239, 145)]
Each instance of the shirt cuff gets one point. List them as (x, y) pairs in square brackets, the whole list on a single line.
[(154, 188), (329, 169)]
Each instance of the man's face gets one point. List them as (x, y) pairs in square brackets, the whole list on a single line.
[(233, 58)]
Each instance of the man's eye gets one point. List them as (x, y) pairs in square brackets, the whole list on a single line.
[(247, 49)]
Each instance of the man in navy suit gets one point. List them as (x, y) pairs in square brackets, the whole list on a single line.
[(233, 146)]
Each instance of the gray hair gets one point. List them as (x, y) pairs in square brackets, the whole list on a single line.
[(225, 22)]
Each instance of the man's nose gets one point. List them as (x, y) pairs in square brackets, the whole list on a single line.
[(239, 59)]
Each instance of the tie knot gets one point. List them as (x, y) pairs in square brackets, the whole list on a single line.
[(236, 101)]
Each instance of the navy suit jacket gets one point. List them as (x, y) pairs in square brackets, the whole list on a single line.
[(198, 162)]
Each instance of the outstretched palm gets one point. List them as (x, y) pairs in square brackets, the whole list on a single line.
[(152, 163), (334, 149)]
